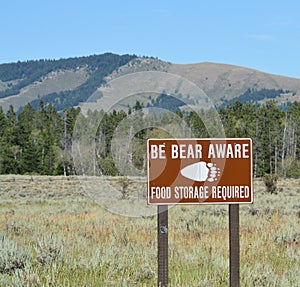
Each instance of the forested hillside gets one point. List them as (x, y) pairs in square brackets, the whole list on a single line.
[(40, 141), (17, 76)]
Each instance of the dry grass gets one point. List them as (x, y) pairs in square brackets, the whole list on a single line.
[(66, 239)]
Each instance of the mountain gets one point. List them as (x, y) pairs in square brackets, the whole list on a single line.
[(67, 82), (224, 83), (63, 83)]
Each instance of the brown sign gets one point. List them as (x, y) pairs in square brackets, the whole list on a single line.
[(199, 171)]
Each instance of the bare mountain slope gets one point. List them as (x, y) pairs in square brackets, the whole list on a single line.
[(53, 82), (221, 82)]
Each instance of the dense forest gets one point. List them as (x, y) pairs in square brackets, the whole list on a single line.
[(40, 141)]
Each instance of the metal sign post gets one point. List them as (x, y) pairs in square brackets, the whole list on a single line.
[(234, 246), (162, 243)]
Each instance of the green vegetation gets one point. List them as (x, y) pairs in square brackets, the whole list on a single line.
[(52, 234), (36, 142), (271, 182), (254, 96), (40, 142), (165, 102)]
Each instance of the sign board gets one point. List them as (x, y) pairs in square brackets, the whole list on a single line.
[(199, 171)]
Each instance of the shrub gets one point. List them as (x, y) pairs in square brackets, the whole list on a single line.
[(125, 182), (12, 257), (270, 181), (49, 250)]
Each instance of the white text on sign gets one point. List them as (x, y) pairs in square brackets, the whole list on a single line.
[(194, 151), (200, 192)]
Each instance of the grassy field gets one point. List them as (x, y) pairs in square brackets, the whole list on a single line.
[(53, 234)]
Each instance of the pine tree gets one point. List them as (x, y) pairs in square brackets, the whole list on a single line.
[(29, 160), (3, 143), (10, 150)]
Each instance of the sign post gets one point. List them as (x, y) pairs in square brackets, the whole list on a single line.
[(234, 246), (162, 245), (199, 171)]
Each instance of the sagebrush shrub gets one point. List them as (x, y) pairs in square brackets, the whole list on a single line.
[(270, 181), (12, 257)]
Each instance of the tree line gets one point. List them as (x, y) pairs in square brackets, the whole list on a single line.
[(36, 142), (40, 141)]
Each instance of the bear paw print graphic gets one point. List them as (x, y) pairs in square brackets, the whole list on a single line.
[(201, 171)]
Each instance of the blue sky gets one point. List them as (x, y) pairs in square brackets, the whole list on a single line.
[(263, 35)]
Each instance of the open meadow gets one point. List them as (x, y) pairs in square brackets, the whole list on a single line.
[(53, 234)]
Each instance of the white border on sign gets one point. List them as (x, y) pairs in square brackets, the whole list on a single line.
[(223, 162)]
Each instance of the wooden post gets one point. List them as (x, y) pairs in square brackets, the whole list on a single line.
[(162, 242), (234, 245)]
